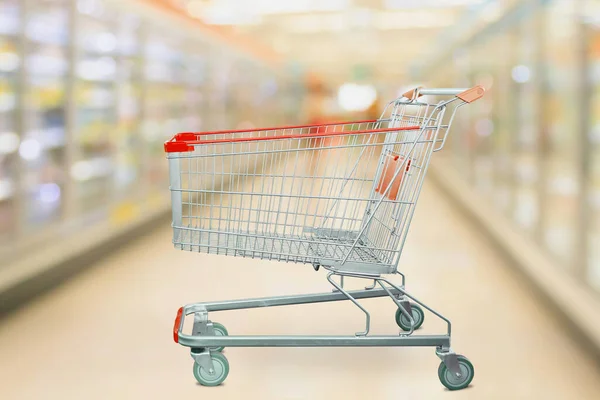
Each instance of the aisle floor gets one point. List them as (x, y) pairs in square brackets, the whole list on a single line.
[(107, 334)]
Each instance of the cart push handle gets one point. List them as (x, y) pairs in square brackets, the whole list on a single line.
[(468, 95)]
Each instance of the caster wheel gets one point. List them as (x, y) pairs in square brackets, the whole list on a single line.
[(453, 382), (417, 314), (221, 370), (220, 330)]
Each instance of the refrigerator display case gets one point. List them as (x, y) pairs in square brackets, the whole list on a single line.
[(196, 79), (268, 111), (239, 99), (165, 103), (458, 139), (480, 136), (526, 109), (89, 92), (93, 168), (44, 139), (503, 121), (127, 139), (10, 64), (222, 88), (561, 108), (593, 136)]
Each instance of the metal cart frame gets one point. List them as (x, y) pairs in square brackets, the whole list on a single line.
[(415, 129)]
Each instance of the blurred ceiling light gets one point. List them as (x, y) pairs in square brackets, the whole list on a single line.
[(413, 19), (30, 149), (354, 97), (521, 74), (234, 12), (265, 7), (407, 4), (9, 142)]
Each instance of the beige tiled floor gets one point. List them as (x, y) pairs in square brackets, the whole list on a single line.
[(107, 333)]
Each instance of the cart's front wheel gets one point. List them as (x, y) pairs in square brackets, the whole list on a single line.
[(452, 381), (417, 314), (220, 330), (215, 377)]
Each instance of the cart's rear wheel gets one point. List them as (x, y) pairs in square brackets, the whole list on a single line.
[(453, 382), (220, 330), (417, 314), (218, 375)]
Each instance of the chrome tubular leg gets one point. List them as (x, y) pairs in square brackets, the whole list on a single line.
[(352, 299), (371, 286), (403, 279)]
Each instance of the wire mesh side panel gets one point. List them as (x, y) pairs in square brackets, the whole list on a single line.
[(399, 177), (287, 199)]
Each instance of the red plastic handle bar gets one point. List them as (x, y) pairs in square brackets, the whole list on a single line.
[(176, 325), (183, 142), (178, 143)]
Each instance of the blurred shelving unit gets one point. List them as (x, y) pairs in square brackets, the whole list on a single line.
[(89, 91), (527, 154), (10, 66), (43, 139), (592, 157)]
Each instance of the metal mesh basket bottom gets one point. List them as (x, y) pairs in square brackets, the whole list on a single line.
[(305, 248)]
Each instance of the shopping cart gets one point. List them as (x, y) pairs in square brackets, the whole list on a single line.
[(339, 196)]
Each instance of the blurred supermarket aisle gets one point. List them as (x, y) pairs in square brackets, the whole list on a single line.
[(107, 333), (90, 90)]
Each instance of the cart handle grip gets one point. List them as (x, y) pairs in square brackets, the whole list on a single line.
[(468, 95)]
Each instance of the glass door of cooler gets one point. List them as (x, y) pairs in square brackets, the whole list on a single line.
[(95, 133), (196, 82), (10, 63), (128, 142), (238, 99), (221, 88), (526, 109), (44, 140), (593, 143), (480, 140), (560, 131), (457, 145), (503, 121), (269, 101), (165, 98)]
